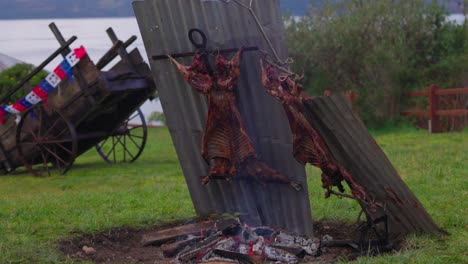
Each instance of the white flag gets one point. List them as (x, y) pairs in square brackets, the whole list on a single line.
[(32, 98), (11, 110), (53, 79), (72, 59)]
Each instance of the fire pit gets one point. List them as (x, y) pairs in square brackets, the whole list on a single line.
[(232, 241), (223, 241)]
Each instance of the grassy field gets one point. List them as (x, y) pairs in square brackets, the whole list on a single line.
[(37, 212)]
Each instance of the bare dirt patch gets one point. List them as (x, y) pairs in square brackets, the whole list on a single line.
[(123, 245)]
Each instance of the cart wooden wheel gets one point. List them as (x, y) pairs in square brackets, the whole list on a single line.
[(127, 142), (44, 140)]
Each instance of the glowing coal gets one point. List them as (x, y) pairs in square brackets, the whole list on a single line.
[(237, 242)]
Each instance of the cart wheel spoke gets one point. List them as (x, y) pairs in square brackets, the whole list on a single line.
[(64, 131), (134, 128), (52, 127), (126, 143), (124, 147), (133, 117), (57, 163), (109, 153), (103, 143), (138, 136), (49, 138), (133, 141), (55, 155), (64, 148), (113, 148), (45, 166), (30, 143)]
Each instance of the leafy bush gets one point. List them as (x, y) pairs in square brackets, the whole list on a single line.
[(379, 49), (12, 76), (157, 117)]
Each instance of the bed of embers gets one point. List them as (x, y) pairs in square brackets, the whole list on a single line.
[(230, 241), (221, 241)]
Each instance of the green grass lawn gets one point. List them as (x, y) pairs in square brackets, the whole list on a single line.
[(35, 213)]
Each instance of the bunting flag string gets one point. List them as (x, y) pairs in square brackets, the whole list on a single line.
[(46, 86)]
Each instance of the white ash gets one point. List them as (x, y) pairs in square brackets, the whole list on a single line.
[(257, 248), (209, 256), (212, 257), (219, 259), (226, 244), (250, 244), (277, 254), (311, 246), (243, 248)]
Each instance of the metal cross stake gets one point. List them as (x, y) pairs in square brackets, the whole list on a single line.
[(201, 47)]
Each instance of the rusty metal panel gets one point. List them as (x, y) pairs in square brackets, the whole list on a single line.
[(164, 25), (355, 149)]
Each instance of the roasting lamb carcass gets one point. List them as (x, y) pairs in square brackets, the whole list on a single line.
[(308, 146), (226, 147)]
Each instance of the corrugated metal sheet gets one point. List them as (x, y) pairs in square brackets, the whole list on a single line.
[(164, 25), (355, 149)]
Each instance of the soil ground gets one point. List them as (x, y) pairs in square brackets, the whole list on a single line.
[(123, 245)]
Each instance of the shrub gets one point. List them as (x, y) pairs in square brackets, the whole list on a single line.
[(12, 76), (378, 49), (157, 117)]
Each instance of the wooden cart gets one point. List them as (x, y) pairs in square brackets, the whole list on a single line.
[(94, 109)]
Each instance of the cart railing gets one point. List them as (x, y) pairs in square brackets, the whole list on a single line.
[(114, 50), (118, 47), (64, 49)]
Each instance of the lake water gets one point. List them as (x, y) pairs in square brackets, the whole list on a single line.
[(32, 41)]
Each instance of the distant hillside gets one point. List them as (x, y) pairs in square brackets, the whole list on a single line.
[(21, 9), (7, 61)]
